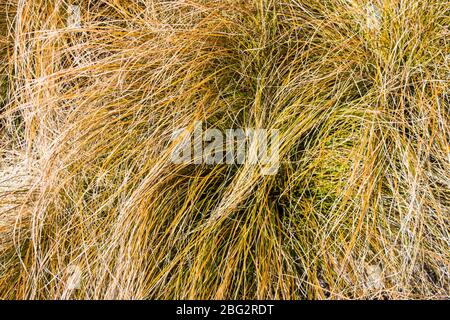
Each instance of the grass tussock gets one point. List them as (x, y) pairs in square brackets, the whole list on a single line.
[(359, 208)]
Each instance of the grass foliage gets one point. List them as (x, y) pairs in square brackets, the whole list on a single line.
[(358, 89)]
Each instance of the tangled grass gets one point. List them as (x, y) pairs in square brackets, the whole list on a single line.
[(359, 91)]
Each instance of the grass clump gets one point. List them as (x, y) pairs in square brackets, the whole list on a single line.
[(358, 91)]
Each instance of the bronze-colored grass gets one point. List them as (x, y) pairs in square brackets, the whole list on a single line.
[(358, 210)]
